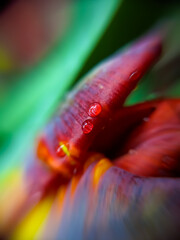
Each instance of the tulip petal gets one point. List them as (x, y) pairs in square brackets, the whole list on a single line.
[(153, 148), (121, 206)]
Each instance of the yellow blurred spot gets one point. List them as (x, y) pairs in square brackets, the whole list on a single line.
[(101, 167), (10, 177), (51, 225), (30, 225), (13, 194)]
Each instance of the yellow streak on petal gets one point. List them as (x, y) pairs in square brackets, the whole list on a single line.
[(64, 148), (101, 167), (30, 225), (60, 197), (74, 182), (93, 158)]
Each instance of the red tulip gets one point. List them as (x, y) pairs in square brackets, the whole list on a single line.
[(112, 169), (95, 106)]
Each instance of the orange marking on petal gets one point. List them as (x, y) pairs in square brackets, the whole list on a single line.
[(74, 183), (61, 195), (101, 167), (92, 158), (42, 151), (54, 164)]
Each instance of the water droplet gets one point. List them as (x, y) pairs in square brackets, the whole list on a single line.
[(63, 149), (135, 75), (146, 119), (87, 126), (132, 151), (94, 110)]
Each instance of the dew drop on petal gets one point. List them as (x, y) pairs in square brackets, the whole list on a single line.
[(132, 151), (87, 126), (146, 119), (63, 149), (95, 109), (135, 75)]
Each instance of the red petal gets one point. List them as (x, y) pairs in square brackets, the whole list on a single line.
[(123, 121), (153, 149)]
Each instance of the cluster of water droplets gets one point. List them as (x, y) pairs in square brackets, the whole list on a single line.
[(94, 110)]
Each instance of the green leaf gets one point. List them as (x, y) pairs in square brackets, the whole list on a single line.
[(33, 99)]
